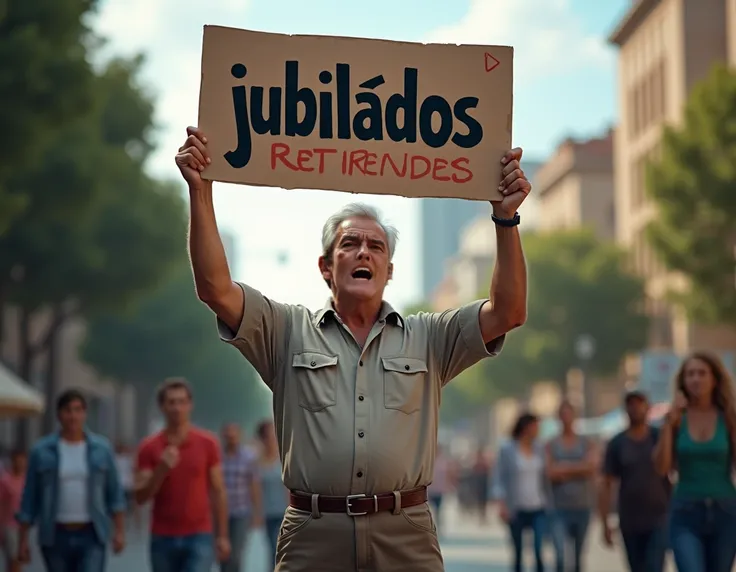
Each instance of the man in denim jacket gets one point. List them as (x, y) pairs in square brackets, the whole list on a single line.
[(72, 493)]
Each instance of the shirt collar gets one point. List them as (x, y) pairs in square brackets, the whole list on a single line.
[(387, 314)]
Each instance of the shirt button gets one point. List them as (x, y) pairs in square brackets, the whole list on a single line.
[(361, 434), (407, 368), (360, 363), (361, 398), (315, 363), (359, 474)]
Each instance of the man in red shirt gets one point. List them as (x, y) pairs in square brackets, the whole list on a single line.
[(179, 468)]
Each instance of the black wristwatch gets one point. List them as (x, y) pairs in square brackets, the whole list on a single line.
[(508, 222)]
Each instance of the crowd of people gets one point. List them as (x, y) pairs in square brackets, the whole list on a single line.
[(206, 495), (674, 483)]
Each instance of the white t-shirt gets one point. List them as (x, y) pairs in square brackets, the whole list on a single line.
[(529, 485), (73, 502), (124, 464)]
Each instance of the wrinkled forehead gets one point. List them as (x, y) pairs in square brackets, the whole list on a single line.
[(363, 229)]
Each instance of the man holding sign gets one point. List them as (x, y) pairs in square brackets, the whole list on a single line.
[(356, 385)]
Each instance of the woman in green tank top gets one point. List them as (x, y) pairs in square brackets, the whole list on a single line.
[(698, 443)]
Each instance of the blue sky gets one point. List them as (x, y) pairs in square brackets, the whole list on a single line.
[(565, 84)]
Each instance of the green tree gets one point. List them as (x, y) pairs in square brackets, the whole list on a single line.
[(100, 230), (170, 333), (577, 286), (693, 186), (45, 82)]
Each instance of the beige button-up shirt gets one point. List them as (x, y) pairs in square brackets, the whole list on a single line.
[(351, 419)]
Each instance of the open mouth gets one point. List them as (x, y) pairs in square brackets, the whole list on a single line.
[(362, 274)]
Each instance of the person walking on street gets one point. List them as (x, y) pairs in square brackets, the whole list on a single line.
[(520, 488), (275, 494), (698, 440), (125, 464), (243, 487), (356, 386), (571, 466), (180, 469), (442, 484), (643, 494), (480, 484), (73, 494), (11, 490)]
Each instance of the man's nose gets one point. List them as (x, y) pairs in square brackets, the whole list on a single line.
[(363, 251)]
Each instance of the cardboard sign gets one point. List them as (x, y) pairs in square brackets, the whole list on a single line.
[(364, 116)]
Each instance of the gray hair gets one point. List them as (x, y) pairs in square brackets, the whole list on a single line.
[(355, 210)]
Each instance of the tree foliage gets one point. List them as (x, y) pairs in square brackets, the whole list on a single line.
[(170, 333), (693, 186), (577, 286), (45, 82), (97, 231)]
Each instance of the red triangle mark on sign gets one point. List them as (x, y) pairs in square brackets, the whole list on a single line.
[(491, 62)]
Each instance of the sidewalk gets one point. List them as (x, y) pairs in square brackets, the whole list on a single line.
[(469, 547), (466, 546)]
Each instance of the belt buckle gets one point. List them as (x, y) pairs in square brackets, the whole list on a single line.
[(350, 498)]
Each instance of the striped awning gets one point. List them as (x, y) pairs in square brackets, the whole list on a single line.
[(17, 398)]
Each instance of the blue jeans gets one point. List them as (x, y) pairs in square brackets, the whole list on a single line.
[(535, 521), (238, 527), (703, 534), (273, 525), (645, 550), (572, 526), (193, 553), (75, 550)]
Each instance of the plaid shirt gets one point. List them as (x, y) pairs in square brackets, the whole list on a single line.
[(238, 470)]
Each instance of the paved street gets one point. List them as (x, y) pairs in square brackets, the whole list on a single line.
[(467, 547)]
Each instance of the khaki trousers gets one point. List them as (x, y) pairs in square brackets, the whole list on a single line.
[(399, 541)]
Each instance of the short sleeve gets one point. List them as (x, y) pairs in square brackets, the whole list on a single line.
[(214, 458), (611, 464), (262, 337), (145, 460), (455, 340)]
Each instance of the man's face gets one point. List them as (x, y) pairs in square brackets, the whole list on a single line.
[(176, 405), (637, 408), (360, 266), (231, 435), (73, 416)]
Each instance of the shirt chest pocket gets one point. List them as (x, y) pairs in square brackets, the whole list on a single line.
[(404, 383), (315, 375)]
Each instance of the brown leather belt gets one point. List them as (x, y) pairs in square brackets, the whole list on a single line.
[(358, 505), (73, 525)]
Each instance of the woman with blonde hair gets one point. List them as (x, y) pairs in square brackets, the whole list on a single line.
[(697, 442)]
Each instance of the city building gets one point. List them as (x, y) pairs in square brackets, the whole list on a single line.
[(468, 270), (441, 223), (665, 47), (574, 187)]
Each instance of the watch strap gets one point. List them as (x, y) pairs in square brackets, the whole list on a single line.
[(507, 222)]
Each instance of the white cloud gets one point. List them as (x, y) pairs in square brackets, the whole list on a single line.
[(548, 38), (169, 32)]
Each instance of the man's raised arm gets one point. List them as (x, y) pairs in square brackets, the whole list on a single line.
[(215, 286), (507, 307), (255, 325)]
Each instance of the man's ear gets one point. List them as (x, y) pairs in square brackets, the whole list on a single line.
[(325, 268), (390, 270)]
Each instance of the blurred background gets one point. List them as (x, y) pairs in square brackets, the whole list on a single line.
[(627, 114)]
